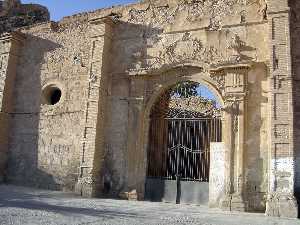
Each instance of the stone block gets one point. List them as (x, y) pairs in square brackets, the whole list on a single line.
[(217, 173), (131, 196), (282, 205)]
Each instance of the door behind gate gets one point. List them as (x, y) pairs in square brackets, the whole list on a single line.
[(178, 158)]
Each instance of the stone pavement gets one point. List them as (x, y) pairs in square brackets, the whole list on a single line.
[(26, 206)]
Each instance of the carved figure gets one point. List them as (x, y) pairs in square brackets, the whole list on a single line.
[(235, 44)]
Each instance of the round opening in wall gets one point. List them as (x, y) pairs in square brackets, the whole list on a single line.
[(51, 95)]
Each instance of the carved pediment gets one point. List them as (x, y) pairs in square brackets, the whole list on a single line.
[(168, 51)]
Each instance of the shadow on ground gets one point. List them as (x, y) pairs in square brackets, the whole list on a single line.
[(28, 201)]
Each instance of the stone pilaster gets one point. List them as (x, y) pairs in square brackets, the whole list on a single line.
[(281, 201), (10, 45), (225, 202), (239, 113), (93, 148), (235, 125), (136, 158)]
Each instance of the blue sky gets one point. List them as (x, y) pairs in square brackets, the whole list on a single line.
[(207, 93), (61, 8)]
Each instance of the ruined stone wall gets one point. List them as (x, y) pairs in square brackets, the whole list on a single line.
[(46, 139), (111, 65)]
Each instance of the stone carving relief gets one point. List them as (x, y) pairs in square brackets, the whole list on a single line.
[(175, 51), (161, 49), (170, 50), (219, 78), (235, 44), (185, 49), (194, 10)]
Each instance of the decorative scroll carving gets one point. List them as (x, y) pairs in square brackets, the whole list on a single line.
[(194, 10), (173, 50), (156, 15), (179, 51)]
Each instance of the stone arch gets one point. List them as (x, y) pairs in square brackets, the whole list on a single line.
[(200, 77), (169, 78)]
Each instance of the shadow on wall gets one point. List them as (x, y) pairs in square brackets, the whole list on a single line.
[(295, 50), (119, 174), (125, 161), (23, 153), (257, 154)]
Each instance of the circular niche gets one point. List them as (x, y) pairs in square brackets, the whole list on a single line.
[(51, 95)]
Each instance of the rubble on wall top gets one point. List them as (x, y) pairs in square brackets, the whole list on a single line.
[(158, 13), (14, 14)]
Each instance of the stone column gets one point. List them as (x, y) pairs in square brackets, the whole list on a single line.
[(281, 200), (10, 46), (235, 137), (93, 144)]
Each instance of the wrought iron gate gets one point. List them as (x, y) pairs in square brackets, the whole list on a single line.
[(178, 152)]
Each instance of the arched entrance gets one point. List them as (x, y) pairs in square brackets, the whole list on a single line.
[(184, 120)]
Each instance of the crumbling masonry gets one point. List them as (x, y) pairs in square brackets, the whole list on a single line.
[(77, 95)]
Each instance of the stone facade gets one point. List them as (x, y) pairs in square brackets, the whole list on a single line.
[(77, 94)]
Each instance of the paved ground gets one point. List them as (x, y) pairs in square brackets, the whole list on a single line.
[(27, 206)]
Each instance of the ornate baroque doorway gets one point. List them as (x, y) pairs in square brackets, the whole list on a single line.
[(183, 124)]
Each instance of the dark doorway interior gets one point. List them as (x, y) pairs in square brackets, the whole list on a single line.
[(182, 126)]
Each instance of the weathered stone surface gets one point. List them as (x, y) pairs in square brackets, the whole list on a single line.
[(14, 15), (217, 182), (29, 206), (80, 95), (282, 205)]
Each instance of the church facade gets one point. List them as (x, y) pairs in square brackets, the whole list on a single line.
[(79, 97)]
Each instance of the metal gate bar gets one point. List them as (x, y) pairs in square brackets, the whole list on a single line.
[(181, 147)]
